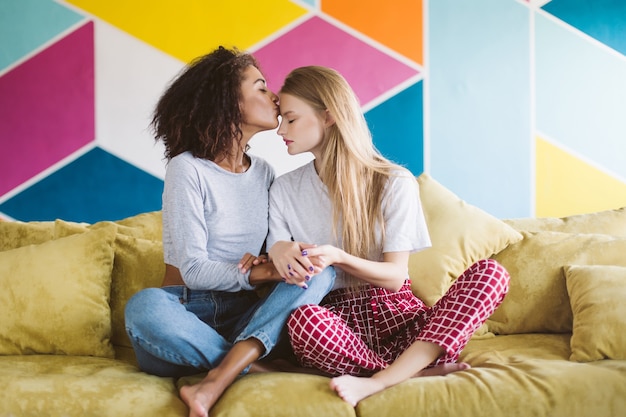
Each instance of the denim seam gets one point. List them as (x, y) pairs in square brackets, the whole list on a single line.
[(158, 352)]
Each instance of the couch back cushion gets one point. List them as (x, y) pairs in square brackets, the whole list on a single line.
[(461, 234), (608, 222), (538, 301), (55, 296), (17, 234), (138, 262)]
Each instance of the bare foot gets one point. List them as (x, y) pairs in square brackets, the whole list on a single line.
[(201, 396), (445, 369), (353, 389)]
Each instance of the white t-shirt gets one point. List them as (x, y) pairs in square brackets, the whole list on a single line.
[(300, 209)]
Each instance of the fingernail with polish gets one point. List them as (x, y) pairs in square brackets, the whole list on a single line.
[(290, 274), (304, 287), (288, 266), (311, 269), (305, 253), (307, 278)]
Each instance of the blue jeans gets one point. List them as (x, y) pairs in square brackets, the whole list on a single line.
[(176, 331)]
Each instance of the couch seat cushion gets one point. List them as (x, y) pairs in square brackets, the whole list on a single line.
[(279, 394), (513, 376), (43, 385)]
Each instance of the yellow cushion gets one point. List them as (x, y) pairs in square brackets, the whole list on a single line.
[(138, 264), (537, 300), (17, 234), (598, 299), (144, 225), (71, 386), (609, 222), (55, 296), (461, 234)]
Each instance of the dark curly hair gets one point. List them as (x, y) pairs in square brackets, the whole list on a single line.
[(199, 112)]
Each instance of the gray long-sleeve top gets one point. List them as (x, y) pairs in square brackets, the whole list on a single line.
[(211, 217)]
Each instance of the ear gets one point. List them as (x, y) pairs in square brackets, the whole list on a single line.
[(329, 120)]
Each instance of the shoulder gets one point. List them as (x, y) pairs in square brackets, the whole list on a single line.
[(260, 163), (294, 178), (182, 164), (402, 178), (262, 168), (186, 160)]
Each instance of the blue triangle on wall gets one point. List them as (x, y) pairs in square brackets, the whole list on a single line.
[(96, 186), (397, 126), (604, 20)]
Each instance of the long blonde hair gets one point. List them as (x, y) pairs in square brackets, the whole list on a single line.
[(354, 172)]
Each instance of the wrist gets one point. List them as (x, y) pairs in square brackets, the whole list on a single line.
[(263, 273), (342, 257)]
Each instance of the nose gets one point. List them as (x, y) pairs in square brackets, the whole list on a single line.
[(274, 97), (281, 129)]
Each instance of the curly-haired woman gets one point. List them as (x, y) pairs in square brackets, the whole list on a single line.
[(207, 315)]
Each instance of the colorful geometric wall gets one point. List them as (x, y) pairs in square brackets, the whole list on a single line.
[(514, 105)]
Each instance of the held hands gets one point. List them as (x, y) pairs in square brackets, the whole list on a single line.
[(248, 260), (261, 270), (298, 262)]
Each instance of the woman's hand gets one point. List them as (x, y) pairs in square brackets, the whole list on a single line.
[(322, 256), (263, 273), (292, 262), (249, 260)]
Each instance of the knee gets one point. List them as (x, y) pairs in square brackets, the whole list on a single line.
[(492, 273), (302, 320), (326, 278), (138, 307)]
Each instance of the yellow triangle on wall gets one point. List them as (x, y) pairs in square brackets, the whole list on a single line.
[(566, 185), (190, 28)]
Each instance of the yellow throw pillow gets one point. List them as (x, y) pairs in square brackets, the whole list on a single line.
[(17, 234), (598, 299), (55, 296), (138, 264), (461, 234), (608, 222), (144, 225), (537, 301)]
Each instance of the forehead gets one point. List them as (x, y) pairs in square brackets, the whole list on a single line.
[(292, 103), (252, 75)]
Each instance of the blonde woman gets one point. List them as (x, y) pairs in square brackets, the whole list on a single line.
[(352, 209)]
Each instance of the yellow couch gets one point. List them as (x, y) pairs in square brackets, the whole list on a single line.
[(555, 347)]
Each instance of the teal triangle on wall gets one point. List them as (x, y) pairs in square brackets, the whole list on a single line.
[(397, 126)]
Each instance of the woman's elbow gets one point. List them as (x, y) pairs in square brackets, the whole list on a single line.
[(395, 285)]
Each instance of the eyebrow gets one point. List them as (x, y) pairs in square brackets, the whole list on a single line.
[(260, 80), (287, 112)]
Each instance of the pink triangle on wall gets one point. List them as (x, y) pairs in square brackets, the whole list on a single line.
[(369, 71), (47, 108)]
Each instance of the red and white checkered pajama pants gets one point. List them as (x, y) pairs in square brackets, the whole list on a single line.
[(360, 333)]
